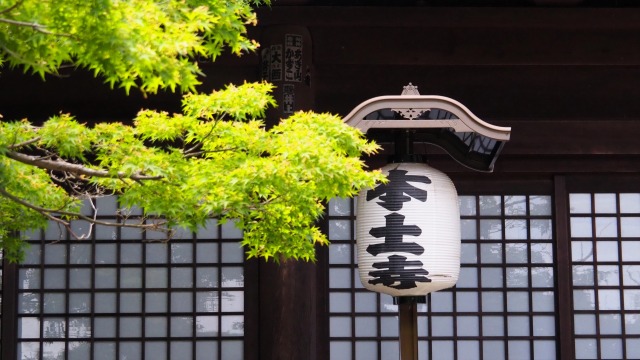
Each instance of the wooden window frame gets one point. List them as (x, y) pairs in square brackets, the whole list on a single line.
[(558, 186)]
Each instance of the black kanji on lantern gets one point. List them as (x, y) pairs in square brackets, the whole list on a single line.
[(399, 273), (392, 193), (392, 234)]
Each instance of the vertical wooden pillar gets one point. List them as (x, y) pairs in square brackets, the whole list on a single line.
[(288, 291), (287, 311), (563, 254), (9, 299)]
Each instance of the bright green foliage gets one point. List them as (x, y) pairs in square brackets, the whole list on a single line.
[(29, 184), (148, 44), (215, 159)]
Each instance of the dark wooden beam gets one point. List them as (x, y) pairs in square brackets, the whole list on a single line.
[(493, 93), (532, 164), (476, 45), (89, 99), (577, 137), (546, 138), (450, 17), (461, 3)]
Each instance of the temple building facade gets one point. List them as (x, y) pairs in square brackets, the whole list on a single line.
[(550, 238)]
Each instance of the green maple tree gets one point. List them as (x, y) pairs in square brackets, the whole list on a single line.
[(215, 159)]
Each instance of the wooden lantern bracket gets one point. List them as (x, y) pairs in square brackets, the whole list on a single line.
[(471, 141), (410, 105)]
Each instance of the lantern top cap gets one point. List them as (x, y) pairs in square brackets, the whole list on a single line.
[(410, 90), (438, 120)]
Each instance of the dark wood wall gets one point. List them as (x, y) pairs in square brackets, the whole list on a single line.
[(565, 79)]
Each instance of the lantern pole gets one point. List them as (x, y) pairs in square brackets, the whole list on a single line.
[(404, 147), (408, 322), (407, 305)]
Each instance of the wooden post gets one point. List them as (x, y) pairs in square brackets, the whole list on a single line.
[(287, 291), (408, 318), (287, 327), (9, 306)]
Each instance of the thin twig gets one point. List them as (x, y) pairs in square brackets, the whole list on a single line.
[(199, 144), (17, 56), (209, 152), (91, 223), (47, 212), (18, 3), (35, 26), (24, 143)]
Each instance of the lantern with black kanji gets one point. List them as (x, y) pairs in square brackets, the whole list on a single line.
[(408, 232)]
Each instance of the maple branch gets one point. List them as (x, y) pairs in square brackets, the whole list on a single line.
[(18, 3), (24, 143), (156, 226), (198, 153), (76, 169), (35, 26)]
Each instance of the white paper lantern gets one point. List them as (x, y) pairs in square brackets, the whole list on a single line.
[(408, 232)]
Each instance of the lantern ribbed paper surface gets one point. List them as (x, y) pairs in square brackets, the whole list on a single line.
[(408, 232)]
